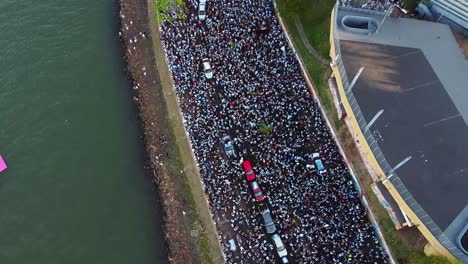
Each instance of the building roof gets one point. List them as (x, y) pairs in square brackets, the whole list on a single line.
[(419, 120), (458, 8), (417, 74)]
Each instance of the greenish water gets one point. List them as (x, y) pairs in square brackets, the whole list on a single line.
[(75, 190)]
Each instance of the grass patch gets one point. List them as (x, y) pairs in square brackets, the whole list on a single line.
[(163, 7), (315, 18), (265, 129), (204, 246), (423, 259)]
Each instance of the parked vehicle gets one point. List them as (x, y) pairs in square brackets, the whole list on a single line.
[(202, 10), (232, 245), (282, 252), (207, 68), (249, 174), (318, 163), (228, 146), (269, 224), (257, 191)]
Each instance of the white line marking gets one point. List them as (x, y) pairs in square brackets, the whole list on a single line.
[(441, 120), (460, 171), (407, 54), (419, 86)]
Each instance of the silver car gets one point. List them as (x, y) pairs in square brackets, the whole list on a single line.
[(228, 146), (269, 224), (282, 252), (207, 68), (202, 10)]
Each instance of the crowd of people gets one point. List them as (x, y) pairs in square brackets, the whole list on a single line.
[(259, 98), (379, 5)]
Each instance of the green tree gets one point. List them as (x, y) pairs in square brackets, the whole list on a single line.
[(265, 129), (163, 7), (411, 5)]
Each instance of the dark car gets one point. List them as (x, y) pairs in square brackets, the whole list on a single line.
[(269, 224), (228, 146)]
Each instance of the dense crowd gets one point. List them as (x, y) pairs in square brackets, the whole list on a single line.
[(259, 98), (379, 5)]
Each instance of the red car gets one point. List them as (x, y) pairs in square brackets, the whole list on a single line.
[(249, 174), (257, 191)]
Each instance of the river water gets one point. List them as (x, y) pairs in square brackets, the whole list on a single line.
[(75, 190)]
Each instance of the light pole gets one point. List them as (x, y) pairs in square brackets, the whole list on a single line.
[(442, 14), (373, 120), (390, 9), (353, 82), (395, 168)]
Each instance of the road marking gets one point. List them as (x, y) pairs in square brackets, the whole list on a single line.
[(441, 120), (419, 86), (460, 171), (407, 54)]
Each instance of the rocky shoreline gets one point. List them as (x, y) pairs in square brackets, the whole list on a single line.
[(155, 126)]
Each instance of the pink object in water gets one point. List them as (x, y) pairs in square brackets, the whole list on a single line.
[(3, 165)]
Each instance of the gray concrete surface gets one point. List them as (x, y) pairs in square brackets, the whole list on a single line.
[(435, 41), (389, 198)]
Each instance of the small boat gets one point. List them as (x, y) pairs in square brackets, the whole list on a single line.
[(3, 165)]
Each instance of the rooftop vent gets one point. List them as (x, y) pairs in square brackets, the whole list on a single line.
[(360, 25), (463, 239)]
